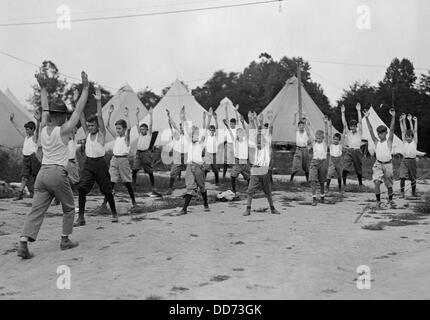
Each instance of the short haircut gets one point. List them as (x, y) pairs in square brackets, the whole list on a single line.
[(300, 122), (92, 118), (212, 127), (337, 135), (353, 123), (266, 125), (319, 133), (409, 133), (233, 120), (144, 125), (30, 125), (122, 123), (381, 129)]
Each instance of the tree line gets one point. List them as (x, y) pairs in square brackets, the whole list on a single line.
[(262, 79)]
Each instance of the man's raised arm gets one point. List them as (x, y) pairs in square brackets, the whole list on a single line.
[(68, 127), (369, 125)]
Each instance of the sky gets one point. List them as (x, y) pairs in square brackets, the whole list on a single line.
[(155, 50)]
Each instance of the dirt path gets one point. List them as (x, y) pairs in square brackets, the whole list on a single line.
[(305, 253)]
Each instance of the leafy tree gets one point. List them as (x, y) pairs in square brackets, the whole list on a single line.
[(424, 84), (55, 87), (148, 98)]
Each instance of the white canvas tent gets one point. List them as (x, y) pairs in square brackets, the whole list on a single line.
[(125, 97), (285, 105), (28, 111), (175, 98), (220, 111), (10, 137), (376, 121)]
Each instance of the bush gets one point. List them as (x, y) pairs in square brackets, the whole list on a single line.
[(10, 165)]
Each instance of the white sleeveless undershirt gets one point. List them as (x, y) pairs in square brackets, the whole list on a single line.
[(29, 146), (383, 153), (54, 150), (320, 151), (335, 150), (93, 149), (410, 149), (120, 147), (301, 139), (354, 140)]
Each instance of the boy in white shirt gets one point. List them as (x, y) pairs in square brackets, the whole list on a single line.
[(353, 155), (229, 146), (301, 155), (408, 166), (180, 149), (143, 158), (30, 164), (241, 161), (211, 146), (383, 167), (261, 161), (120, 164), (335, 162), (95, 168), (195, 172), (318, 167)]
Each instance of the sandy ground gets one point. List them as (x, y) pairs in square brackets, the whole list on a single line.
[(305, 253)]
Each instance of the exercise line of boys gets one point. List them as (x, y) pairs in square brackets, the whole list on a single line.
[(251, 145), (346, 157)]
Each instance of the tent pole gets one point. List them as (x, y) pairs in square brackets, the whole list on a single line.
[(299, 86)]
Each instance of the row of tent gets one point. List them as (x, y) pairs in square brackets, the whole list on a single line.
[(284, 107)]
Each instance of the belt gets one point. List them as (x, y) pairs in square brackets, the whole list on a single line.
[(123, 156), (350, 148), (409, 158), (301, 147), (387, 162), (147, 150), (52, 165)]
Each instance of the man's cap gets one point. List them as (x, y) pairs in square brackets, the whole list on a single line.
[(58, 107)]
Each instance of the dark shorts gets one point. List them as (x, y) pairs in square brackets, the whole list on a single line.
[(211, 161), (318, 170), (408, 169), (95, 170), (143, 160), (195, 178), (260, 182), (353, 160), (301, 160), (30, 166), (334, 168), (241, 167)]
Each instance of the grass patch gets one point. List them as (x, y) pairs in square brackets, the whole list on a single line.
[(423, 208)]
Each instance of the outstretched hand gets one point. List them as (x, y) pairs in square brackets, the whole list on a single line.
[(37, 115), (358, 106), (415, 119), (75, 94), (84, 78), (409, 117), (393, 112), (98, 94), (42, 79), (111, 108), (236, 107), (342, 108), (366, 113)]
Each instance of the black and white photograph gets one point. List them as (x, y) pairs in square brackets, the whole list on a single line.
[(217, 150)]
